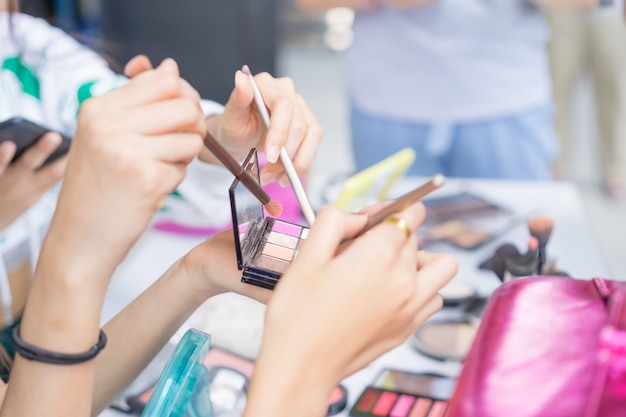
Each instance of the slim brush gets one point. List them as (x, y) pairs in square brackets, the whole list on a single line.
[(290, 170), (274, 208), (541, 227)]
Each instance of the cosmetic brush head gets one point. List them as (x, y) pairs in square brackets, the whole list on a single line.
[(540, 227), (273, 208)]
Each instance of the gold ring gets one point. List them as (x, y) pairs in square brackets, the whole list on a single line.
[(400, 223)]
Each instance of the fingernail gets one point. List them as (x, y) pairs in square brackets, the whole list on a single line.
[(284, 182), (272, 154)]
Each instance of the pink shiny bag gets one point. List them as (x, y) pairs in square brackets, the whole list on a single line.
[(547, 347)]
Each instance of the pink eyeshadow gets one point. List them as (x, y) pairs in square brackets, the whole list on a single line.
[(287, 228), (421, 408), (438, 409), (278, 252), (403, 406), (384, 403)]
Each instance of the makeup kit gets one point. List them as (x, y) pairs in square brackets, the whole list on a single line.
[(204, 381), (398, 393)]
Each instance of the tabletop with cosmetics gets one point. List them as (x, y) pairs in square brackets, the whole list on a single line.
[(395, 384)]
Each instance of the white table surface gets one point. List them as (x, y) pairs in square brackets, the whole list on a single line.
[(236, 323)]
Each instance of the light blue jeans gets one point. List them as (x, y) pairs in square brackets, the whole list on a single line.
[(519, 146)]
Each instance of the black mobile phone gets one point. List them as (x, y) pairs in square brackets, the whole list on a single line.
[(26, 133)]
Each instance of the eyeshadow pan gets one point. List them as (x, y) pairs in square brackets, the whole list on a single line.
[(270, 264), (403, 406), (283, 240), (386, 400), (367, 400), (421, 407), (287, 228), (438, 409), (305, 233), (279, 252)]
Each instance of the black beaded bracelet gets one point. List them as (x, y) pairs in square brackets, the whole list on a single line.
[(35, 353)]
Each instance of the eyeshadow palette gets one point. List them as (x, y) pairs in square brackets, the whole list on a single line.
[(398, 393), (265, 246)]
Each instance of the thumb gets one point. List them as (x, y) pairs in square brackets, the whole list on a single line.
[(238, 105)]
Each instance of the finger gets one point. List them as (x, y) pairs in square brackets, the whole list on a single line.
[(330, 229), (436, 272), (150, 86), (176, 148), (426, 310), (307, 150), (52, 173), (282, 109), (32, 158), (174, 115), (137, 65), (238, 106), (7, 151)]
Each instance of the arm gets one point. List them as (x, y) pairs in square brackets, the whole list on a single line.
[(121, 167), (336, 310)]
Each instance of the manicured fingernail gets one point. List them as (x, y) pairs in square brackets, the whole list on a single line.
[(284, 182), (272, 154)]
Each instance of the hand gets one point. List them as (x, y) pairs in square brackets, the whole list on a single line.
[(331, 315), (21, 184), (212, 269), (292, 124), (130, 151)]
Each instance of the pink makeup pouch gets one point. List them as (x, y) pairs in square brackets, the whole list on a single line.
[(547, 347)]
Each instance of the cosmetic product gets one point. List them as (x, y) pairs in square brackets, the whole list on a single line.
[(541, 227), (523, 265), (273, 207), (222, 377), (285, 159), (373, 184), (265, 246), (496, 263), (455, 294), (397, 393), (446, 338)]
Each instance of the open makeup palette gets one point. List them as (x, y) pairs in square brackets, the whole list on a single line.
[(265, 246)]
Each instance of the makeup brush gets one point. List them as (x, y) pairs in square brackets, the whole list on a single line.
[(497, 263), (541, 227), (290, 170), (274, 208), (403, 202)]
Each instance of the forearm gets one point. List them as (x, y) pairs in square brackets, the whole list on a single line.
[(62, 315), (139, 332)]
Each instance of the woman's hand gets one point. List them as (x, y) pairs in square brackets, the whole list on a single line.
[(21, 183), (130, 151), (211, 268), (292, 124), (331, 315)]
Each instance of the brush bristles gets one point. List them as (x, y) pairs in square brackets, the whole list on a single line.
[(541, 228), (274, 208)]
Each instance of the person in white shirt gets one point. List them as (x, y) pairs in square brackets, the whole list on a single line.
[(46, 76), (465, 83)]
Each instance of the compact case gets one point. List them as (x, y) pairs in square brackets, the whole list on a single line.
[(265, 246), (397, 393)]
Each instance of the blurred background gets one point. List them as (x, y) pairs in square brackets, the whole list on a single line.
[(216, 37)]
